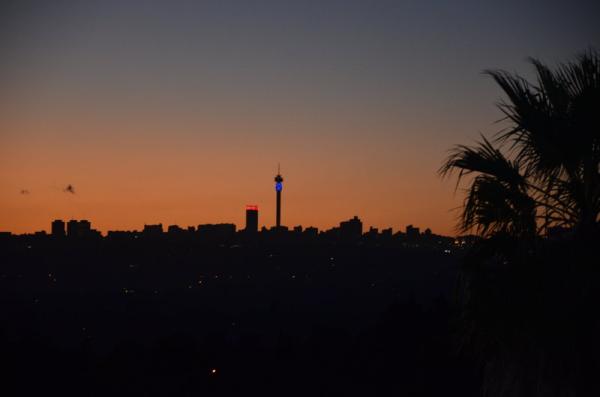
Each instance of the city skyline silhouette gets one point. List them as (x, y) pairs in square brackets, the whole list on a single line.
[(60, 227)]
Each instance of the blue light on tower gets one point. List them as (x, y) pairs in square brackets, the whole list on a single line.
[(278, 186)]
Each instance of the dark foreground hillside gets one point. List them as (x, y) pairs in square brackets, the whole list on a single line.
[(180, 318)]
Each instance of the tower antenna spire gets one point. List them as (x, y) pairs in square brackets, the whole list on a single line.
[(278, 188)]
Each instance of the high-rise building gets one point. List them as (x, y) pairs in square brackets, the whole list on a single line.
[(278, 189), (153, 230), (174, 229), (412, 233), (58, 228), (351, 229), (252, 218), (72, 228), (216, 233), (79, 228), (85, 227)]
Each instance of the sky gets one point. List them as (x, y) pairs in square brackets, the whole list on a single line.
[(178, 112)]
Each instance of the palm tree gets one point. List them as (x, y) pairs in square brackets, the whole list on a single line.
[(523, 312), (497, 200), (543, 170)]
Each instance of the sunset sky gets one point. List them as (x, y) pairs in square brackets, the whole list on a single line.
[(179, 111)]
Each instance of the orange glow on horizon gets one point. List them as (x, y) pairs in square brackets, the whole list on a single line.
[(127, 178)]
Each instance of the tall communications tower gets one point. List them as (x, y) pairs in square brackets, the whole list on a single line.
[(278, 189)]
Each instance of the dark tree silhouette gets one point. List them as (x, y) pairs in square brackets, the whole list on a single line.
[(527, 303), (543, 169)]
